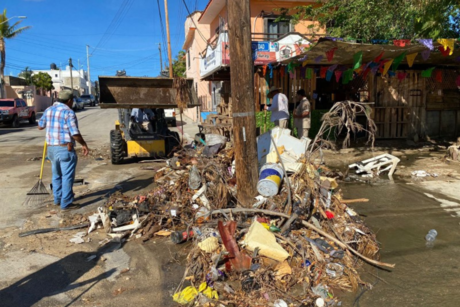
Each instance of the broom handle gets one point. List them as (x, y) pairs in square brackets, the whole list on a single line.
[(43, 161)]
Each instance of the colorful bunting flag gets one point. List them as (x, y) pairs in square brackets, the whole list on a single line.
[(391, 74), (330, 54), (318, 58), (401, 75), (302, 72), (426, 54), (366, 72), (292, 74), (304, 63), (338, 74), (438, 76), (387, 66), (309, 73), (357, 58), (322, 72), (411, 58), (379, 57), (347, 76), (401, 42), (398, 60), (444, 51), (329, 75), (427, 42), (427, 73), (374, 69), (448, 43), (270, 66), (332, 67), (264, 70)]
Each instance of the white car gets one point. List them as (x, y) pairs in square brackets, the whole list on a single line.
[(170, 116)]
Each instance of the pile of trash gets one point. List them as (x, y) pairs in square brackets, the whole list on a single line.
[(296, 245)]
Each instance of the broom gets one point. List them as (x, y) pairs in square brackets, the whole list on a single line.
[(39, 193)]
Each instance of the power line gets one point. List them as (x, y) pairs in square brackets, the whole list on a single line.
[(196, 27), (162, 26), (115, 23)]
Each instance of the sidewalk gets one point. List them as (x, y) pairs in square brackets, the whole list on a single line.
[(188, 127)]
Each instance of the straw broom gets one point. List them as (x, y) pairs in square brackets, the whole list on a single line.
[(39, 193)]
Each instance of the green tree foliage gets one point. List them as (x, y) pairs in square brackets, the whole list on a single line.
[(179, 65), (7, 31), (381, 19), (26, 74), (43, 81)]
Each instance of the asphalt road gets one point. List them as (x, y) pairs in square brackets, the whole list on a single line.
[(48, 270), (94, 124)]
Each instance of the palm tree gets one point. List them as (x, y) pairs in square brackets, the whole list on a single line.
[(6, 32)]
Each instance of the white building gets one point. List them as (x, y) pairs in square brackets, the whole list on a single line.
[(61, 79)]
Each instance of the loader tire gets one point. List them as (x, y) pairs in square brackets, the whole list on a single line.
[(116, 147)]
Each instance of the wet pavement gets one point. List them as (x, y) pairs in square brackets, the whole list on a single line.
[(401, 215)]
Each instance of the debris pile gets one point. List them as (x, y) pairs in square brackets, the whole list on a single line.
[(293, 249), (297, 244)]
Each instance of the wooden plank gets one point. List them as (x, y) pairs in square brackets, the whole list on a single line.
[(393, 122), (386, 128)]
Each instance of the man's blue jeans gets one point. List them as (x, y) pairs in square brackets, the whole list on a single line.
[(63, 164)]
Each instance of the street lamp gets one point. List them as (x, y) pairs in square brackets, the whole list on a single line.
[(19, 17)]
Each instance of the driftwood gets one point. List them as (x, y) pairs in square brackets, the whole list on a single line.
[(312, 227), (356, 200)]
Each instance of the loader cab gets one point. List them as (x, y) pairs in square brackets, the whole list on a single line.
[(129, 139)]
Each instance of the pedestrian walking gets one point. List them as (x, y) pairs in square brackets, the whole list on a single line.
[(278, 107), (302, 119), (61, 126)]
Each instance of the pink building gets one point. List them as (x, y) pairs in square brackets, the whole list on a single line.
[(196, 40)]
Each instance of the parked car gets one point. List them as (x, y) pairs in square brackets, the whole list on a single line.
[(12, 111), (77, 104), (170, 116), (88, 100)]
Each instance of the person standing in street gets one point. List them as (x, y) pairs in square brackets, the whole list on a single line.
[(302, 115), (279, 107), (62, 131), (144, 118)]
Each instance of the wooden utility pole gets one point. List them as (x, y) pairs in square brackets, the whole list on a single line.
[(169, 40), (242, 91)]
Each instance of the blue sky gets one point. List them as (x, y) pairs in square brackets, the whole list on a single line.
[(130, 43)]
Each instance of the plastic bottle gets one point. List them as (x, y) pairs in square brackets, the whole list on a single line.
[(178, 237), (431, 236)]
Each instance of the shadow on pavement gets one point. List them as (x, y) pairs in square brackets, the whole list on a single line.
[(56, 278), (124, 186)]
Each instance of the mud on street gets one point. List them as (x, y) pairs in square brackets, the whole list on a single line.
[(48, 270)]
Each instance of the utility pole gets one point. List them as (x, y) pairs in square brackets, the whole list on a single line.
[(87, 63), (244, 121), (161, 60), (71, 79), (169, 40)]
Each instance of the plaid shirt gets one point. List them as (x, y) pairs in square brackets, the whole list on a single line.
[(60, 123)]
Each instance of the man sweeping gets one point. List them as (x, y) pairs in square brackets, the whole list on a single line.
[(302, 114), (279, 107), (62, 131)]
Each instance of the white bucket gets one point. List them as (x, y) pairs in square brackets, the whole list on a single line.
[(270, 177)]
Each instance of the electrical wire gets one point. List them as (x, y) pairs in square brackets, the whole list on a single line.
[(162, 27), (115, 23), (197, 29)]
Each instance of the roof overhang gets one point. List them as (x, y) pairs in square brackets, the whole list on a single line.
[(189, 38), (220, 73), (343, 55), (212, 9)]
